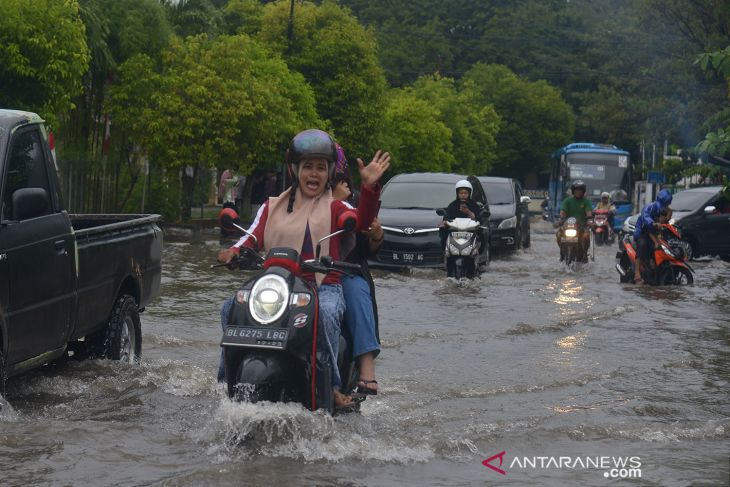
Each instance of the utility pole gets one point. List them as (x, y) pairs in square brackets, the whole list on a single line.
[(290, 27)]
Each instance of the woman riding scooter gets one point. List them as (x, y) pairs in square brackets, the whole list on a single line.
[(304, 214)]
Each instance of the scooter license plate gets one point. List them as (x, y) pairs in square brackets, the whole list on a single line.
[(258, 337)]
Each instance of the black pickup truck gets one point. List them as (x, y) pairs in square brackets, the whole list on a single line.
[(70, 285)]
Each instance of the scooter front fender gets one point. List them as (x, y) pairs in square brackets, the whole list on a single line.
[(264, 368)]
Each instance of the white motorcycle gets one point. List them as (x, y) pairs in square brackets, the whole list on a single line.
[(462, 248)]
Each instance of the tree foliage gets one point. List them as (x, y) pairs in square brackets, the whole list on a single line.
[(43, 55), (473, 126), (414, 135), (337, 56), (226, 102), (534, 118)]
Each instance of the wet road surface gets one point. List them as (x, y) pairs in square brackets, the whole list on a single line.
[(535, 360)]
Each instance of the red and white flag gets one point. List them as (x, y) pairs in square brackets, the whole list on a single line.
[(52, 145)]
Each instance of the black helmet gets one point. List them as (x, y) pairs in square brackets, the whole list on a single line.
[(578, 184), (311, 143)]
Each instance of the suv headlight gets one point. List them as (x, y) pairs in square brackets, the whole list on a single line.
[(510, 222), (269, 298)]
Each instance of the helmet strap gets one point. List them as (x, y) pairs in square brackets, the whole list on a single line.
[(292, 196)]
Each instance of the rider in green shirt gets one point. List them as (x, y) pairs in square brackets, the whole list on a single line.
[(578, 207)]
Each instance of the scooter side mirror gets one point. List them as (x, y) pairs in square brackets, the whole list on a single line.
[(346, 223)]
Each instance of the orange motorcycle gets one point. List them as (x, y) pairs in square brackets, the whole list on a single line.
[(669, 265)]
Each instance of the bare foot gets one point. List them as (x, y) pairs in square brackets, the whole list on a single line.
[(342, 400)]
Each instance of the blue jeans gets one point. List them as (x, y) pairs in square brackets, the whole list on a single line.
[(359, 315), (331, 311)]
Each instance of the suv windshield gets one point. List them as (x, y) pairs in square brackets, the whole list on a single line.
[(424, 195), (689, 200), (499, 193)]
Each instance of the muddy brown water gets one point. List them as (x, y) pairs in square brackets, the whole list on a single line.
[(534, 360)]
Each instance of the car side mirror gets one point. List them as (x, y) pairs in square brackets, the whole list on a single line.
[(440, 212), (30, 203), (709, 210), (525, 199)]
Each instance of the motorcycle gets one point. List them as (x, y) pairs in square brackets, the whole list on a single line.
[(274, 348), (572, 248), (602, 232), (669, 265), (462, 247)]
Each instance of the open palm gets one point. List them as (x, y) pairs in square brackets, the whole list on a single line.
[(372, 173)]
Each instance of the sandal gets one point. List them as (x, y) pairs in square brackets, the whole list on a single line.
[(639, 281), (362, 387)]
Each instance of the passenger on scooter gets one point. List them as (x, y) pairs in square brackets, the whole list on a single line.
[(607, 204), (578, 207), (462, 207), (305, 213), (645, 225), (361, 313)]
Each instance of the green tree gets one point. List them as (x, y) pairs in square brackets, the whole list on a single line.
[(414, 135), (337, 56), (243, 16), (226, 102), (535, 120), (473, 127), (43, 56), (193, 17), (98, 179), (717, 140)]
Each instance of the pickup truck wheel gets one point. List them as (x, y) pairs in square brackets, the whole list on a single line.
[(123, 340)]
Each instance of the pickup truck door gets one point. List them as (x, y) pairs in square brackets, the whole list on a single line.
[(39, 254)]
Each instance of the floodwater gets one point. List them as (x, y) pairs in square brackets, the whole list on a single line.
[(535, 360)]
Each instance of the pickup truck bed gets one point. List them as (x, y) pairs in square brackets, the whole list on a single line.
[(117, 254), (69, 284)]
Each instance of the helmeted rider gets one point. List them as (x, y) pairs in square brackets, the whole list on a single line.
[(305, 213), (462, 207), (579, 207), (607, 204), (645, 225)]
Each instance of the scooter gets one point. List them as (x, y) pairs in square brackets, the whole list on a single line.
[(669, 267), (571, 242), (274, 347), (462, 247), (602, 232)]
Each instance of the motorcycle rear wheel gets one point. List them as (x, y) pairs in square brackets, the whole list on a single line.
[(676, 276)]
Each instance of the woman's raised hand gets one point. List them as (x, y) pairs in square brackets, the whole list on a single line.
[(372, 173)]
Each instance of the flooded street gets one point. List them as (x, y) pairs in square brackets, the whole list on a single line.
[(535, 360)]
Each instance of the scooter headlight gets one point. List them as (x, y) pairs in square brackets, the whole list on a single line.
[(571, 232), (269, 298)]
